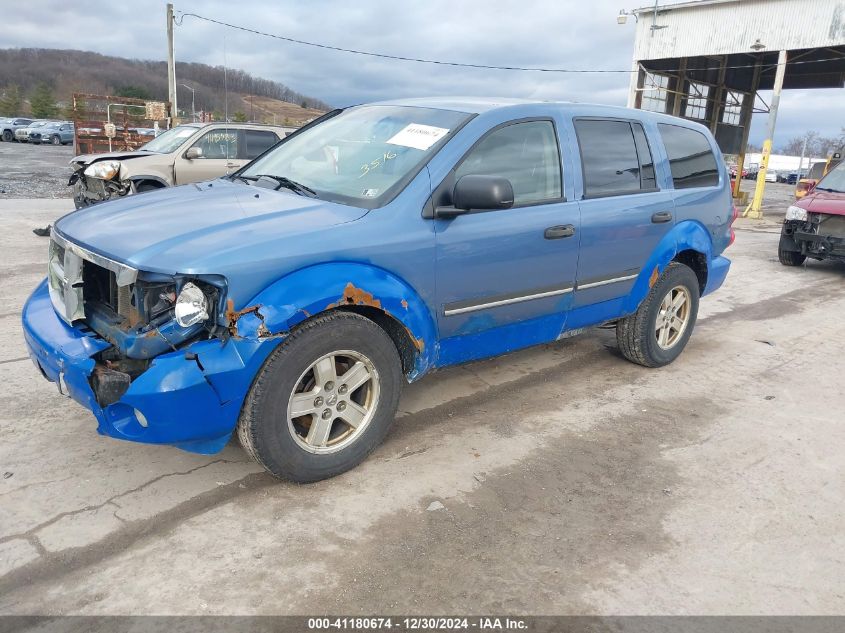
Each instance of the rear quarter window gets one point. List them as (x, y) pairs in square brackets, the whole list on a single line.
[(691, 158)]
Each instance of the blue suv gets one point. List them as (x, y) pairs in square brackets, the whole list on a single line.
[(290, 300)]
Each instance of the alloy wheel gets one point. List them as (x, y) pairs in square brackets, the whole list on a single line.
[(333, 401), (673, 317)]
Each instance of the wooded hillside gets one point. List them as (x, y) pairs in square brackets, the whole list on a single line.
[(69, 71)]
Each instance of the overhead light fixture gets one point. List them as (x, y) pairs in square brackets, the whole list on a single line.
[(758, 45)]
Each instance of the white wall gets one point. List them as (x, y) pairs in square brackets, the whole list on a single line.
[(732, 26), (781, 161)]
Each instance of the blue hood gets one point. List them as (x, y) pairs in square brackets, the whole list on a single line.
[(194, 228)]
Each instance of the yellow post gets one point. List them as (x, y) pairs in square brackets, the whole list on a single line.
[(755, 209), (740, 165)]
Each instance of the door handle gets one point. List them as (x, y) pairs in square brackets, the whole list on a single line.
[(661, 216), (557, 232)]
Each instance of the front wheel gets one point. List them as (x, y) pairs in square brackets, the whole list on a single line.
[(323, 400), (787, 255), (56, 140), (658, 331), (7, 136)]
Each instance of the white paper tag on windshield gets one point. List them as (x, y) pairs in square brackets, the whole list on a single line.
[(418, 136)]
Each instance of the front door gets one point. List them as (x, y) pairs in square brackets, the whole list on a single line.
[(220, 150), (499, 269)]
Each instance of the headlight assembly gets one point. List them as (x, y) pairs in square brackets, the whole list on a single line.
[(796, 213), (191, 306), (105, 169)]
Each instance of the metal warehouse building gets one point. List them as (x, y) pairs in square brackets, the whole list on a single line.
[(707, 60)]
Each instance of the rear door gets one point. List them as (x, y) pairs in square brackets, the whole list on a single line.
[(220, 149), (624, 212), (256, 142)]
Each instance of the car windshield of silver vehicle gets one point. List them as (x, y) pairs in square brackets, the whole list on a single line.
[(361, 157), (167, 142)]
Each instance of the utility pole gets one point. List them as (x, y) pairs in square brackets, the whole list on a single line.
[(171, 66), (801, 162), (754, 210)]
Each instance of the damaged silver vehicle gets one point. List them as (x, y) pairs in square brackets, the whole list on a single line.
[(184, 154)]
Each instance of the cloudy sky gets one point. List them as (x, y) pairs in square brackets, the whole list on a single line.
[(550, 33)]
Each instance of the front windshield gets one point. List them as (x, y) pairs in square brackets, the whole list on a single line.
[(361, 156), (835, 180), (167, 142)]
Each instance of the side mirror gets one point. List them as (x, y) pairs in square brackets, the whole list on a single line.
[(478, 192), (193, 152)]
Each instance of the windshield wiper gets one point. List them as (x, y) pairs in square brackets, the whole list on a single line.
[(286, 183), (830, 189)]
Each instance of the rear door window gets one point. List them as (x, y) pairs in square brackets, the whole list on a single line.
[(647, 180), (610, 157), (256, 142), (691, 158)]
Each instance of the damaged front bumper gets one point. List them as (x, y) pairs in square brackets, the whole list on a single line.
[(818, 238), (190, 398), (88, 190)]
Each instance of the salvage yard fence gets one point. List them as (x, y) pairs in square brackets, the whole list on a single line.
[(104, 123)]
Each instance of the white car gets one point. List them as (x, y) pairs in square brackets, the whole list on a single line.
[(771, 176)]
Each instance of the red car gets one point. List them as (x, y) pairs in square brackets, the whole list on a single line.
[(815, 225)]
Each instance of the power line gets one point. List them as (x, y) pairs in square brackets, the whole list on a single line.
[(440, 62)]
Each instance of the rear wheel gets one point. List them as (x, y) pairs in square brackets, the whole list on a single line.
[(323, 400), (659, 330)]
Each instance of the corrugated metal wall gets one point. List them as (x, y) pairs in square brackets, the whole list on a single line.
[(733, 26)]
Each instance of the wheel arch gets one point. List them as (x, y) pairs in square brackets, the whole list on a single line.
[(148, 179), (689, 243), (367, 290)]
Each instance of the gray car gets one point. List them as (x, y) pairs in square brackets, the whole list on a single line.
[(55, 133), (10, 126), (22, 133)]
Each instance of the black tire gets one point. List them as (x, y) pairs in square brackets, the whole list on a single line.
[(263, 428), (56, 140), (789, 257), (8, 136), (636, 334)]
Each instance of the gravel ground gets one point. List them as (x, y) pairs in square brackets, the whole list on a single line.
[(34, 171)]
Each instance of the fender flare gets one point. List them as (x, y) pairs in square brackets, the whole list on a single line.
[(310, 291), (686, 235)]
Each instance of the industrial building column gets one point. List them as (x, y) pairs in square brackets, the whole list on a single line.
[(754, 210), (635, 90), (745, 114), (718, 103)]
